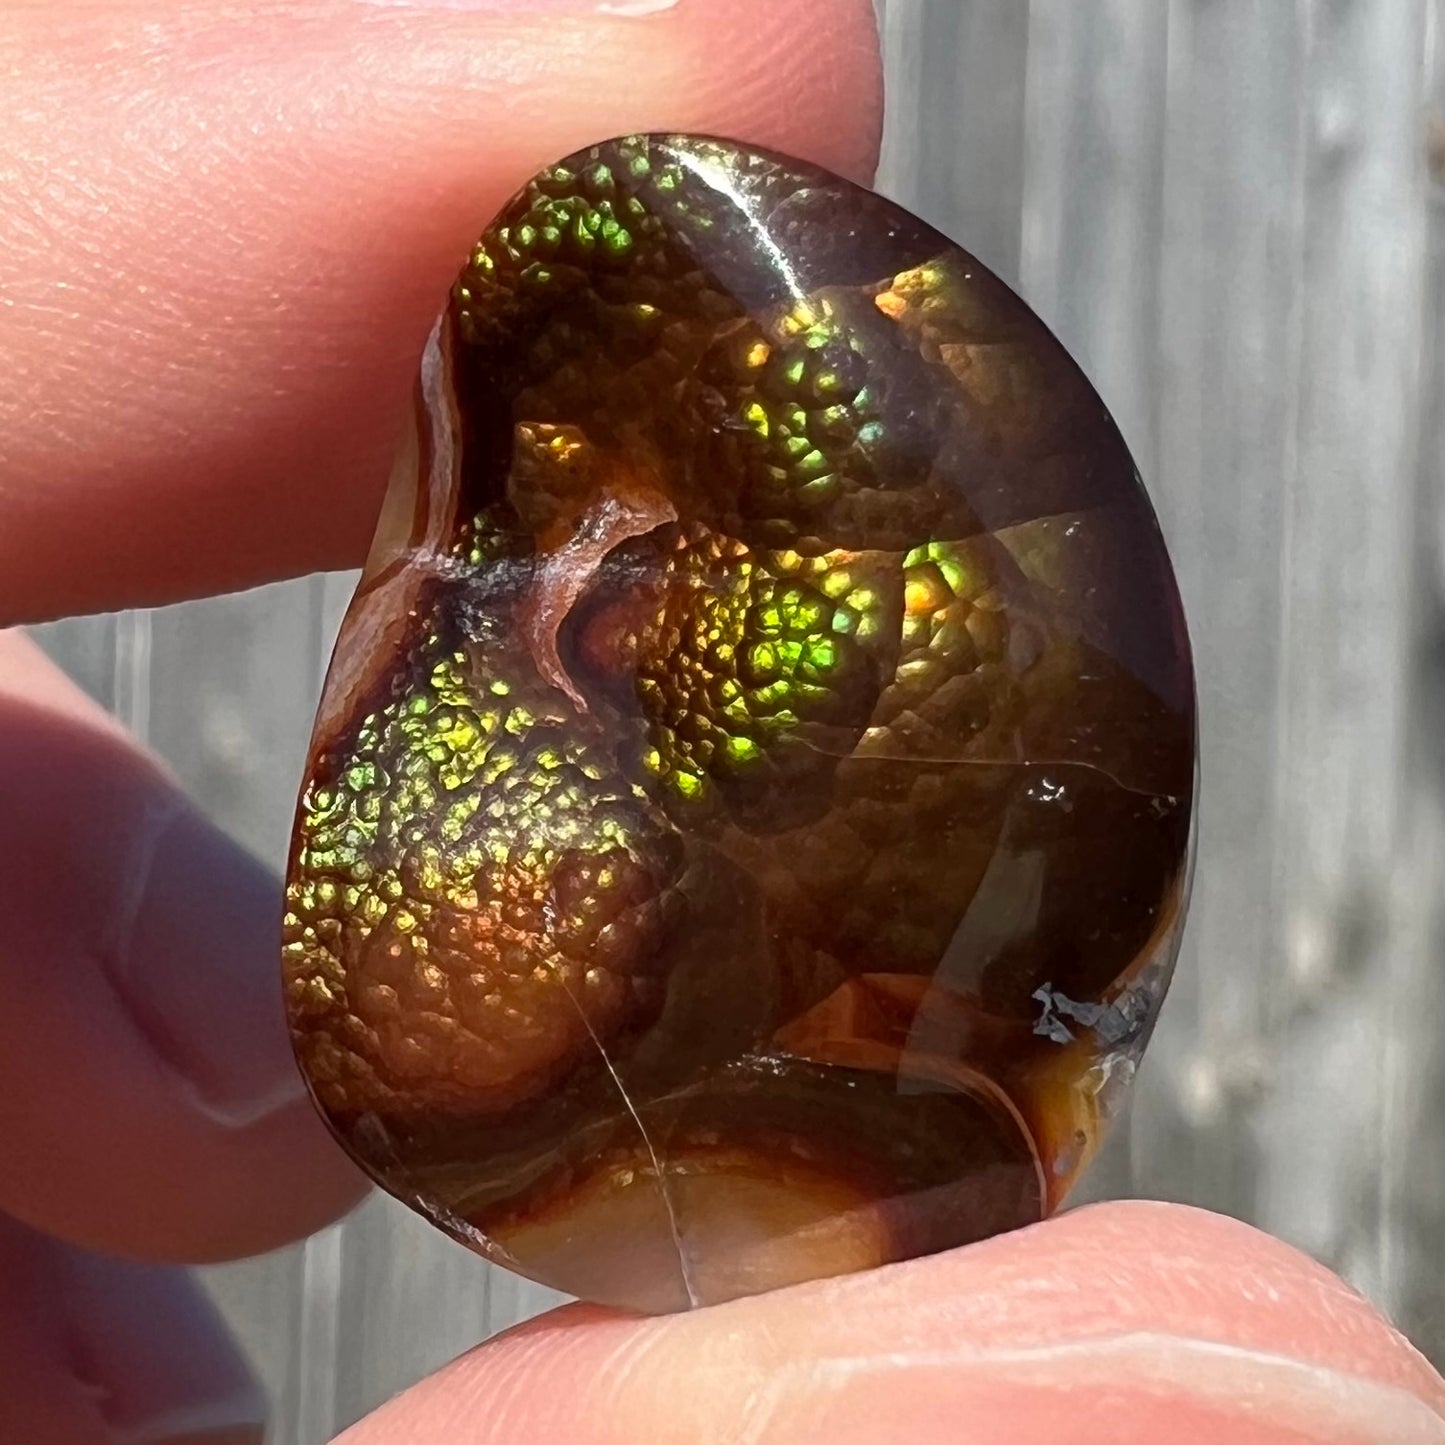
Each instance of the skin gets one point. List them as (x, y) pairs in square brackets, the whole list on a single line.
[(225, 231)]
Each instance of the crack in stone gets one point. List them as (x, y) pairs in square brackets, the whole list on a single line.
[(694, 1300)]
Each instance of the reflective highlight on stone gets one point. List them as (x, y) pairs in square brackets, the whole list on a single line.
[(746, 832)]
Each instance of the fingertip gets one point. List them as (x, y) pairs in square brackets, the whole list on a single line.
[(149, 1103), (1119, 1325)]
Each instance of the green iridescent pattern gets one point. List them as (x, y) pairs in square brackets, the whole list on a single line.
[(803, 411), (482, 541), (572, 226), (754, 662), (956, 617), (493, 878)]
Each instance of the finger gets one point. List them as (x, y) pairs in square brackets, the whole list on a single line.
[(149, 1104), (97, 1352), (1124, 1324), (228, 228)]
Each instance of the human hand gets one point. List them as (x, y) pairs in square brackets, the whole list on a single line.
[(224, 233)]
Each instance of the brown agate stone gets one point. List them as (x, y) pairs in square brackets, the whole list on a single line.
[(745, 837)]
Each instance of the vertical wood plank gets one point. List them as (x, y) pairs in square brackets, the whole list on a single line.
[(1226, 362), (131, 676), (953, 141), (1412, 1164), (1342, 775), (1091, 225)]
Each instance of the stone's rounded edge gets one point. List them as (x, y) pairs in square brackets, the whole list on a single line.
[(383, 618), (418, 510)]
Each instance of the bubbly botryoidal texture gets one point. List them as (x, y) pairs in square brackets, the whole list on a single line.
[(746, 833)]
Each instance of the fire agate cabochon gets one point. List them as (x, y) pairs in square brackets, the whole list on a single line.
[(745, 837)]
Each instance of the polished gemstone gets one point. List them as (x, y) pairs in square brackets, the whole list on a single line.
[(745, 837)]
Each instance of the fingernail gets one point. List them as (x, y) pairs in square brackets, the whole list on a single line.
[(196, 961), (153, 1356), (540, 9)]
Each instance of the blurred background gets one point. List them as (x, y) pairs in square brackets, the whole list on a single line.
[(1233, 213)]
